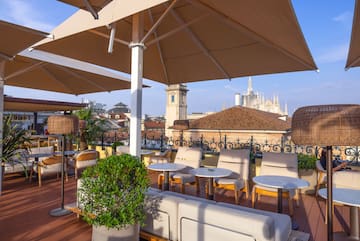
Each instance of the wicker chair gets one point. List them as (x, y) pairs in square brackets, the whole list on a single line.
[(285, 164), (84, 159), (190, 157), (47, 166), (238, 162), (161, 157)]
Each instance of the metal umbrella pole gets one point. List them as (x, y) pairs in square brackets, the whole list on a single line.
[(61, 211)]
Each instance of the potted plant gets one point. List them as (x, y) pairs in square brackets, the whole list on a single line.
[(112, 197), (307, 166), (14, 139)]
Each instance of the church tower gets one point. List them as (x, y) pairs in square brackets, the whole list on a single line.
[(176, 106)]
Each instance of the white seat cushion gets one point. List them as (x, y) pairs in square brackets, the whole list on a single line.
[(282, 221), (228, 181)]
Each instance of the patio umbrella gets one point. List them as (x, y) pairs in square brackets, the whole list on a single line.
[(353, 59), (184, 41), (14, 38), (44, 71), (93, 6)]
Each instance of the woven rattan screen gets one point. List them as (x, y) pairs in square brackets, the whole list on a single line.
[(63, 124), (326, 125)]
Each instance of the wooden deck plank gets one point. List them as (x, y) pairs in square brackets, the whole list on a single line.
[(24, 211)]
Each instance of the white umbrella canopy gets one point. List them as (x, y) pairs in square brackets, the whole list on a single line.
[(353, 59), (195, 40), (43, 71), (184, 41), (93, 6), (16, 38)]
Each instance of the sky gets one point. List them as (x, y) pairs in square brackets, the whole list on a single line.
[(326, 25)]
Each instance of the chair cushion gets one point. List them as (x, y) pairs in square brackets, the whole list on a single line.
[(291, 191), (282, 221), (201, 221), (230, 181), (183, 177), (346, 179)]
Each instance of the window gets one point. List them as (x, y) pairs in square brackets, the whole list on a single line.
[(172, 98)]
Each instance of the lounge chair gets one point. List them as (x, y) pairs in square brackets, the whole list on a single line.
[(238, 162)]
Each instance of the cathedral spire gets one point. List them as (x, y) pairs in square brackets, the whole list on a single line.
[(250, 89)]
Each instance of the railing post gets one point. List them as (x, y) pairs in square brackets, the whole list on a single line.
[(201, 142), (161, 142), (282, 144), (181, 139), (225, 142)]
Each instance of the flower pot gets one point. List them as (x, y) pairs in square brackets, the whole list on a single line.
[(129, 233)]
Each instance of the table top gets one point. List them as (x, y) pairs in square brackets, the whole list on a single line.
[(274, 181), (345, 196), (172, 167), (211, 172)]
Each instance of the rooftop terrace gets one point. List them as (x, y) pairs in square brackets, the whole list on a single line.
[(24, 211)]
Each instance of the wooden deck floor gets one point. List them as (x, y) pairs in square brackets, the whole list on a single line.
[(24, 209)]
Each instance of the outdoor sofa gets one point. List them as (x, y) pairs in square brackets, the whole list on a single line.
[(180, 217)]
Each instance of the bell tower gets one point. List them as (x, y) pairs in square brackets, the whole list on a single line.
[(176, 105)]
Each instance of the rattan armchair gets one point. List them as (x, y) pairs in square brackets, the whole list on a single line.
[(48, 166), (84, 159), (321, 176)]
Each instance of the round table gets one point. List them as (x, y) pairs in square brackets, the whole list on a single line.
[(349, 197), (211, 173), (166, 168), (280, 183)]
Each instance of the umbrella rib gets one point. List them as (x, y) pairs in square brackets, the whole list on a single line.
[(157, 39), (108, 37), (249, 32), (54, 77), (83, 78), (160, 50), (156, 24), (201, 45), (91, 9), (24, 70)]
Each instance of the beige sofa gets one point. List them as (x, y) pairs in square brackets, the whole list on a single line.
[(175, 216)]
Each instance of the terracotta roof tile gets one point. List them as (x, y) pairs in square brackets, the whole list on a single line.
[(242, 118)]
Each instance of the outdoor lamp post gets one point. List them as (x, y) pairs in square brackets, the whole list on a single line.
[(327, 125), (62, 125)]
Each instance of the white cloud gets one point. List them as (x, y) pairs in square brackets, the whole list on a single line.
[(344, 17), (334, 54), (24, 13)]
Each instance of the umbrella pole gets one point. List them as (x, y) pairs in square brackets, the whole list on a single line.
[(329, 199), (57, 212), (137, 49)]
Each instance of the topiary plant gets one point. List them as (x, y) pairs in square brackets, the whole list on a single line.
[(112, 192)]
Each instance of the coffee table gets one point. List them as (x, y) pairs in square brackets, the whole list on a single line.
[(349, 197), (211, 173), (166, 168)]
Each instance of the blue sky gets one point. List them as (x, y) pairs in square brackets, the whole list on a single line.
[(326, 25)]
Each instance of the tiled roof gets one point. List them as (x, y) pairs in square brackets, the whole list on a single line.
[(154, 124), (241, 118)]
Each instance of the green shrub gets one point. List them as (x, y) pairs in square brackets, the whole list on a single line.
[(306, 161), (113, 192)]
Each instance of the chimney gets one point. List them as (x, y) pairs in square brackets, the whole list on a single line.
[(237, 99)]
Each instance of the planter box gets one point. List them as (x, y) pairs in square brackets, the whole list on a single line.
[(310, 176)]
